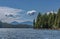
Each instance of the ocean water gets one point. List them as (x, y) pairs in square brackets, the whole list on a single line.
[(28, 33)]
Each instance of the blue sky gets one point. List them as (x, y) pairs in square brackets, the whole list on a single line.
[(30, 5), (39, 5)]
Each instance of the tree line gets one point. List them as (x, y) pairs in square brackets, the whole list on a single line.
[(47, 21)]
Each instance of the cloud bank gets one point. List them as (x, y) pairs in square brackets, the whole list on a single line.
[(7, 14)]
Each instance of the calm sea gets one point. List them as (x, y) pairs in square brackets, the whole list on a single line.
[(28, 33)]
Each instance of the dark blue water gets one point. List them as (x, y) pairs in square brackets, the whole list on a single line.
[(16, 33)]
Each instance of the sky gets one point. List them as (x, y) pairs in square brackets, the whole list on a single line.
[(25, 10)]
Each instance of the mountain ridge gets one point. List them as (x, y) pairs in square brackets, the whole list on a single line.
[(26, 22)]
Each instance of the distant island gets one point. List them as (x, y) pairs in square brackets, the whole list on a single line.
[(47, 21)]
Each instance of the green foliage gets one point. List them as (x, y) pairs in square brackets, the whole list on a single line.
[(38, 21), (48, 21)]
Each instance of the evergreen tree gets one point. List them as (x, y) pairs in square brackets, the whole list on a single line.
[(38, 21), (45, 21), (58, 14), (34, 23)]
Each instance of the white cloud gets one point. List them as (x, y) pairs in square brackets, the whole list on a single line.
[(48, 13), (31, 12), (51, 12), (8, 11)]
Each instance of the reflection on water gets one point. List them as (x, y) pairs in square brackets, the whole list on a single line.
[(12, 33)]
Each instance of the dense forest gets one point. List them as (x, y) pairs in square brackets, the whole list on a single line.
[(47, 21), (6, 25)]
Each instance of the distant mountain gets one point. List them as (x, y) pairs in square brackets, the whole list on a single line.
[(14, 23), (27, 22)]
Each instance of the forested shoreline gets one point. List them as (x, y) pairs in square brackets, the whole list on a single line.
[(47, 21)]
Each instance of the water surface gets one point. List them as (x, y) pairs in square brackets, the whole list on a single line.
[(28, 33)]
